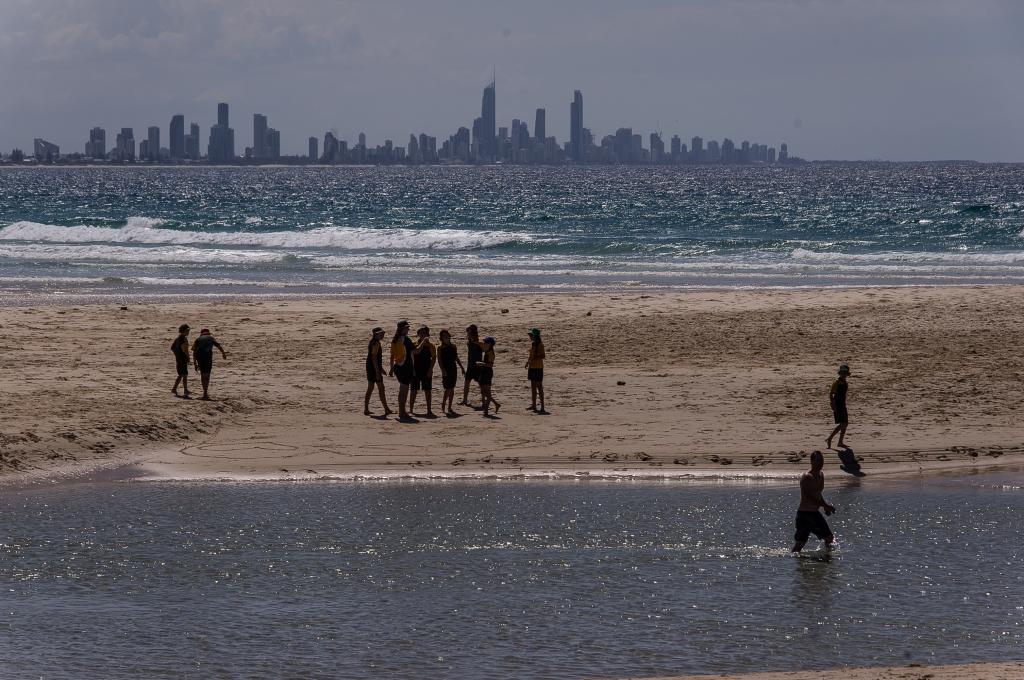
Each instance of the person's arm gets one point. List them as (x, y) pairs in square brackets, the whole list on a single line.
[(433, 358), (195, 359), (810, 490), (529, 358), (832, 396), (458, 362), (391, 361), (223, 354)]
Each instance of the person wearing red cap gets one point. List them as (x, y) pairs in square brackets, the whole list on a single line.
[(202, 352)]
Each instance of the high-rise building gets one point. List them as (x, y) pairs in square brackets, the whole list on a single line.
[(712, 154), (331, 148), (259, 135), (221, 147), (177, 132), (192, 142), (783, 152), (272, 145), (697, 150), (45, 151), (676, 149), (125, 149), (540, 126), (489, 114), (153, 137), (576, 127), (657, 148), (313, 151), (96, 147)]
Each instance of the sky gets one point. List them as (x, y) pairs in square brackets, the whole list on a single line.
[(835, 79)]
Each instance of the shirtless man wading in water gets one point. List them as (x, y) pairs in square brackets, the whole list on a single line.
[(808, 519)]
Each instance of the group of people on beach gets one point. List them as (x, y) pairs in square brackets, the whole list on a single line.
[(202, 358), (413, 363)]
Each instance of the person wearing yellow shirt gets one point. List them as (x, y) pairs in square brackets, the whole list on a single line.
[(401, 366), (535, 371)]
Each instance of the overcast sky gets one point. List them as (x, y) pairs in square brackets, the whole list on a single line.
[(856, 79)]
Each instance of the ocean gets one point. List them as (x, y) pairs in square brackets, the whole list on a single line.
[(72, 232), (467, 580)]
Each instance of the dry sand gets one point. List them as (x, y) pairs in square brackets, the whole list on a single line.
[(981, 671), (719, 383)]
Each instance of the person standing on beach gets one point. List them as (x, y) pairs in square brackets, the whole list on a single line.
[(180, 349), (202, 351), (375, 372), (448, 360), (424, 357), (474, 353), (837, 400), (808, 519), (401, 366), (486, 377), (535, 370)]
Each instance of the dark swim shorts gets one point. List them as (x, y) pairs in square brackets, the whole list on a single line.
[(423, 382), (486, 376), (842, 417), (535, 374), (182, 366), (404, 375), (472, 373), (371, 374), (205, 364), (811, 522), (449, 379)]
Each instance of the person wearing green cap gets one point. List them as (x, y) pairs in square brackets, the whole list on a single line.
[(535, 370), (837, 400)]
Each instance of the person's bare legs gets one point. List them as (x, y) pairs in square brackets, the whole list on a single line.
[(412, 401), (466, 382), (841, 431), (366, 399), (540, 394), (205, 379), (177, 381), (383, 399), (428, 395), (403, 394), (485, 395), (533, 395)]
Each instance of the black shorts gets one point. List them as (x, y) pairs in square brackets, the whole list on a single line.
[(535, 374), (182, 366), (486, 376), (472, 373), (404, 375), (371, 374), (841, 416), (449, 379), (205, 365), (423, 382), (810, 522)]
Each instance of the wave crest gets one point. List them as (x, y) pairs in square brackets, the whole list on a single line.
[(148, 231)]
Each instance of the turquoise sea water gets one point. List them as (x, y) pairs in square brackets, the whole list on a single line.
[(343, 229), (471, 580)]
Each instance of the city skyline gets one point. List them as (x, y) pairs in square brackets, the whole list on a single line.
[(844, 80), (487, 143)]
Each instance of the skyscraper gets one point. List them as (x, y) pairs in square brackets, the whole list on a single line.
[(153, 138), (96, 147), (126, 145), (539, 126), (259, 135), (177, 141), (272, 145), (192, 142), (45, 151), (697, 150), (489, 114), (313, 153), (576, 127), (221, 147)]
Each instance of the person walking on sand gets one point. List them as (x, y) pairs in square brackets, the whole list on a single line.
[(837, 400), (474, 353), (180, 349), (448, 360), (486, 377), (535, 371), (202, 351), (375, 372), (808, 519), (424, 357), (401, 366)]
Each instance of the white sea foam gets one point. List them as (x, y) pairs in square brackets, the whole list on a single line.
[(148, 231)]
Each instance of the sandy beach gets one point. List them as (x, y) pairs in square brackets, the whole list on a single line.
[(979, 671), (716, 383)]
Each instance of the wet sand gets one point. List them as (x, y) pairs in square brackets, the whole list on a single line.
[(724, 383), (980, 671)]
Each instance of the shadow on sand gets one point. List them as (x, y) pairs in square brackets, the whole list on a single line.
[(849, 462)]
